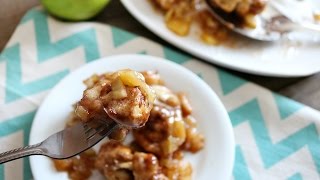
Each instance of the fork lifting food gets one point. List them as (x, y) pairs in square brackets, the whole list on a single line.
[(111, 105)]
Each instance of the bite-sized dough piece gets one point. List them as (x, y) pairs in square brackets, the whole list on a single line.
[(115, 161), (146, 167), (165, 131), (78, 167), (152, 78), (194, 140), (122, 96), (176, 169)]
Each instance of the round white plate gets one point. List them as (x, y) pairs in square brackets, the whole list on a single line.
[(215, 160), (282, 59)]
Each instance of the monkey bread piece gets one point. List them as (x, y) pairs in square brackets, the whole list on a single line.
[(176, 169), (119, 134), (115, 161), (130, 100), (146, 167), (166, 96), (164, 133), (152, 78), (194, 140), (79, 167), (122, 96)]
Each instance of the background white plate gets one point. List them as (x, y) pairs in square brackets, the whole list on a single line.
[(214, 161), (283, 59)]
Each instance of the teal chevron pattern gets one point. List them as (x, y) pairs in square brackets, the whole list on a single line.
[(273, 153), (229, 82), (265, 143), (120, 37), (283, 103), (295, 177), (19, 123), (46, 50), (175, 56), (240, 170), (15, 89)]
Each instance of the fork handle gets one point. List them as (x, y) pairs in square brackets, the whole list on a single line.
[(20, 153)]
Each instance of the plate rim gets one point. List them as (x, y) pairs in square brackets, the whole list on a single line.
[(261, 72), (228, 126)]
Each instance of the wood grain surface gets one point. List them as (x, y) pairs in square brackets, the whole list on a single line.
[(305, 90)]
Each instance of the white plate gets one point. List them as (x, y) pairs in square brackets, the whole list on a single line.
[(215, 160), (283, 59)]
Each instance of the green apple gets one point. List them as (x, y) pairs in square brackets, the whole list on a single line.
[(74, 10)]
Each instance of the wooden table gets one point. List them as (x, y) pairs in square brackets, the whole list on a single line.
[(304, 89)]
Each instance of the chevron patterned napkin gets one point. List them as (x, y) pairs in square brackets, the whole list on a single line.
[(276, 137)]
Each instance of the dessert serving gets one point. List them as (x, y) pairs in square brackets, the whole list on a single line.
[(163, 129), (181, 14)]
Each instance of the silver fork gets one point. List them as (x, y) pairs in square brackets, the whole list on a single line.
[(66, 143)]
